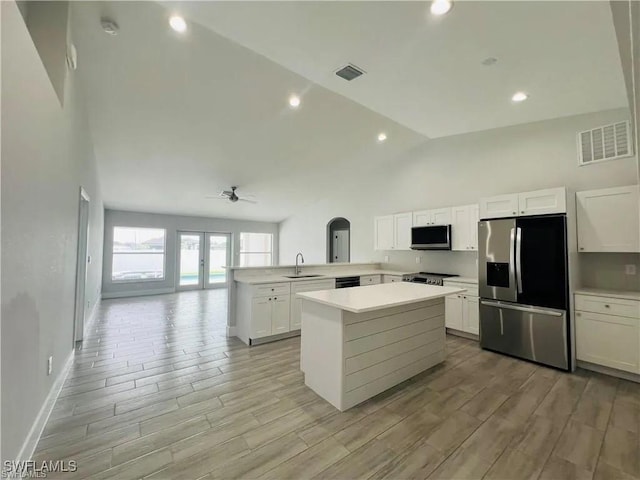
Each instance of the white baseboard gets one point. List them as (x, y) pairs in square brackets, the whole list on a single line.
[(31, 442), (231, 331), (137, 293), (613, 372)]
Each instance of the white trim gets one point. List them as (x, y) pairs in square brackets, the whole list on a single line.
[(231, 331), (31, 442), (137, 293)]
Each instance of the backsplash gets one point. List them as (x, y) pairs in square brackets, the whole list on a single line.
[(459, 263), (607, 271)]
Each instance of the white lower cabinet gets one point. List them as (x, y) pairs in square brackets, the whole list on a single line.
[(462, 310), (269, 316), (262, 310), (608, 332), (370, 280), (295, 320)]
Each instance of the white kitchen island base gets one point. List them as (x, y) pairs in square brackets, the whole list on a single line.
[(351, 352)]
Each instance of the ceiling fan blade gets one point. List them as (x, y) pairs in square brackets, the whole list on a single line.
[(215, 197), (247, 200)]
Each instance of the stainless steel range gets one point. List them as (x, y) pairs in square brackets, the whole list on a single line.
[(429, 278)]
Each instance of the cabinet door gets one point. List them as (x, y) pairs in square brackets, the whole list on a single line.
[(460, 228), (474, 218), (608, 340), (280, 314), (471, 315), (608, 220), (295, 314), (541, 202), (422, 218), (260, 317), (453, 312), (383, 232), (499, 206), (402, 224), (441, 216)]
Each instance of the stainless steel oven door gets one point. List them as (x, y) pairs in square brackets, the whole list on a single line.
[(538, 334)]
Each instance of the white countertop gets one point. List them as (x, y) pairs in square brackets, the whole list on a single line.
[(356, 272), (324, 265), (377, 297), (624, 294)]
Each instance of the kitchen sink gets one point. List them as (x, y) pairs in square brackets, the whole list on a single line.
[(302, 276)]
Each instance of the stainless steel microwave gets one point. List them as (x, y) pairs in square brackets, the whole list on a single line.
[(432, 237)]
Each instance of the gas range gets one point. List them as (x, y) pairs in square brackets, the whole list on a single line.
[(429, 278)]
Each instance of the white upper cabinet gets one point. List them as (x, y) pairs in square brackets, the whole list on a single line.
[(464, 228), (539, 202), (383, 232), (608, 220), (402, 224), (438, 216), (499, 206), (393, 232)]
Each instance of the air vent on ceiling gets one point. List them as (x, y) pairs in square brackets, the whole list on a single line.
[(604, 143), (349, 72)]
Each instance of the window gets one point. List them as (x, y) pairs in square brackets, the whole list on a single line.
[(138, 254), (256, 249)]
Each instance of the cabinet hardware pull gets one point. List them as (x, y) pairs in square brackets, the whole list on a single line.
[(581, 248), (578, 314), (522, 211), (607, 306), (515, 213), (269, 299), (275, 298)]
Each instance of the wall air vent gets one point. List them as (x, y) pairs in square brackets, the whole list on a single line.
[(608, 142), (349, 72)]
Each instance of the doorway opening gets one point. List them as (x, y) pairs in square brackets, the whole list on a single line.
[(339, 240), (81, 266), (202, 257)]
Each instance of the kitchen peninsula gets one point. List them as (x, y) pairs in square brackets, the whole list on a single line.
[(358, 342)]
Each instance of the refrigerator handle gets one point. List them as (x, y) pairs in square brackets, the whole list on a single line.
[(512, 258), (518, 254)]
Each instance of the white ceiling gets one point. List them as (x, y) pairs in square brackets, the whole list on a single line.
[(175, 118), (425, 72)]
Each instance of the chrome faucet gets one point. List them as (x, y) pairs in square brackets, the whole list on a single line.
[(301, 260)]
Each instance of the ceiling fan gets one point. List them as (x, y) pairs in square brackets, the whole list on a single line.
[(231, 196)]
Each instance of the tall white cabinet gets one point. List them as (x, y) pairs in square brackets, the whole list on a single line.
[(608, 220), (462, 310), (464, 227)]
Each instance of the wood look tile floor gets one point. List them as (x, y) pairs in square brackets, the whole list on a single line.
[(158, 391)]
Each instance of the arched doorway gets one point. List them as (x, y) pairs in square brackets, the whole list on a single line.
[(338, 240)]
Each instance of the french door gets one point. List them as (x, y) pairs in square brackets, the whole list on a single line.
[(201, 258)]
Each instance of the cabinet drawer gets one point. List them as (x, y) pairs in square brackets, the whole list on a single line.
[(271, 289), (391, 278), (369, 280), (472, 290), (297, 287), (608, 306)]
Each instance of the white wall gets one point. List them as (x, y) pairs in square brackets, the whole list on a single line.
[(172, 224), (453, 171), (47, 155)]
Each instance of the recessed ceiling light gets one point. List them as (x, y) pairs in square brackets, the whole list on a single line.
[(178, 24), (382, 137), (519, 97), (487, 62), (294, 101), (440, 7)]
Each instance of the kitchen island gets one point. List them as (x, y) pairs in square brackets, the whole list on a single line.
[(358, 342)]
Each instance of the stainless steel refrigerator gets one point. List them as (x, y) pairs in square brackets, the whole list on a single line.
[(524, 290)]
